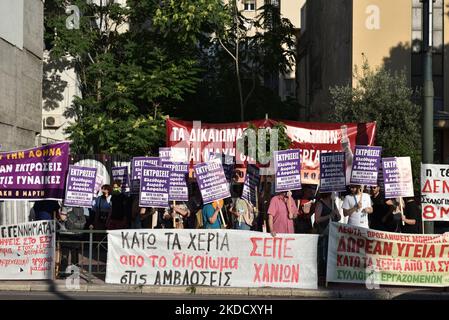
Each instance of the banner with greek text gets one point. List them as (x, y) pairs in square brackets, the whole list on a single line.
[(359, 255), (251, 184), (136, 170), (287, 168), (365, 165), (27, 251), (178, 190), (332, 172), (219, 258), (33, 174), (121, 173), (80, 187), (212, 181), (435, 192), (398, 179), (154, 184)]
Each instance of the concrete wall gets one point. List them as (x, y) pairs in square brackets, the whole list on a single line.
[(21, 81)]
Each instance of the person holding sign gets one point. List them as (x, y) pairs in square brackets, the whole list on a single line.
[(281, 213), (211, 212), (357, 205), (243, 211)]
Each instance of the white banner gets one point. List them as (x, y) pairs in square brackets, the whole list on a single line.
[(219, 258), (374, 258), (27, 251), (435, 192)]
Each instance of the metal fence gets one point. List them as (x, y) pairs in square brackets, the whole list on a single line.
[(86, 249)]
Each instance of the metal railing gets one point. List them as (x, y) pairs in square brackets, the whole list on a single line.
[(90, 248)]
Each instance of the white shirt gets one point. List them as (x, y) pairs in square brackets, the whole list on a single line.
[(358, 218)]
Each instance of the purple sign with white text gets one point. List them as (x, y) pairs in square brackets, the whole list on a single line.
[(33, 174), (332, 172), (212, 181), (165, 154), (251, 184), (80, 186), (121, 173), (179, 172), (154, 185), (287, 167), (136, 170), (398, 179), (365, 165)]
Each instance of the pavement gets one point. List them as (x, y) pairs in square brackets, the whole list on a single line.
[(333, 291)]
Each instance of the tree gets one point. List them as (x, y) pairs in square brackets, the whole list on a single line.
[(133, 63), (236, 57), (384, 97)]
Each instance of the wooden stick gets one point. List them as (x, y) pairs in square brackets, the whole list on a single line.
[(402, 210), (174, 214), (154, 219), (221, 216)]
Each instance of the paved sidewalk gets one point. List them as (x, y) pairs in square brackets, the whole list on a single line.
[(334, 291)]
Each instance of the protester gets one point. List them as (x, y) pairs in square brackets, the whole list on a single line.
[(357, 205), (45, 209), (281, 213), (380, 209), (306, 208), (243, 211), (102, 207), (211, 213), (181, 214), (117, 218), (325, 212), (412, 223)]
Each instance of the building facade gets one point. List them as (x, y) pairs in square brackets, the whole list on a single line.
[(337, 35), (21, 47)]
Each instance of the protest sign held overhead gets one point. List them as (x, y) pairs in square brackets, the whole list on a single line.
[(136, 170), (27, 251), (398, 179), (212, 181), (80, 186), (178, 190), (217, 258), (37, 173), (435, 192), (154, 187), (287, 168), (365, 165), (250, 186), (332, 172), (121, 174), (359, 255)]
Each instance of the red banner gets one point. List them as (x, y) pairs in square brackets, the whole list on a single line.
[(312, 138)]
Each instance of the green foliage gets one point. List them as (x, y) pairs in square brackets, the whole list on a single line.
[(383, 97), (284, 141), (131, 68)]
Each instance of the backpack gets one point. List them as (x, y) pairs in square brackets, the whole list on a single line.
[(75, 219)]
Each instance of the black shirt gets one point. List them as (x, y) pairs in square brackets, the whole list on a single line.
[(411, 211), (380, 209), (119, 203)]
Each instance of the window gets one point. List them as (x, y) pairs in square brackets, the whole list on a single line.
[(249, 5)]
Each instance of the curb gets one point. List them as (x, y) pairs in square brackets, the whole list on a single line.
[(340, 293)]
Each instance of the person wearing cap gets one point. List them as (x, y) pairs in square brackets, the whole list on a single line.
[(357, 205)]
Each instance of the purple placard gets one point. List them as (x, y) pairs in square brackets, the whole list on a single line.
[(165, 154), (380, 178), (332, 172), (252, 180), (178, 190), (398, 179), (365, 165), (154, 184), (287, 166), (33, 174), (212, 181), (121, 173), (136, 170), (80, 187)]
